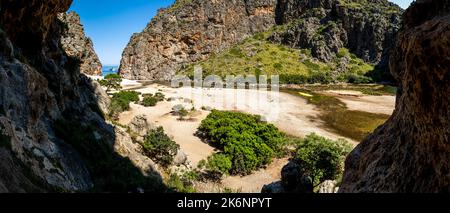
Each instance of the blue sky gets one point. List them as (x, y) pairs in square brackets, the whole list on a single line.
[(110, 23)]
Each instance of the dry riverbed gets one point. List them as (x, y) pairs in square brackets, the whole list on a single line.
[(292, 114)]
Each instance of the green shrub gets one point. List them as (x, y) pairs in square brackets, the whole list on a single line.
[(247, 142), (180, 184), (322, 159), (293, 79), (358, 79), (219, 163), (278, 66), (259, 36), (160, 147), (149, 101), (130, 96), (311, 65), (320, 77), (160, 96), (120, 102), (112, 81), (183, 113)]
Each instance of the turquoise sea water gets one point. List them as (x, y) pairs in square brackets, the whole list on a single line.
[(106, 70)]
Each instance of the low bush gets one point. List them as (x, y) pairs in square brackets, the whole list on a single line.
[(320, 77), (245, 141), (183, 113), (180, 184), (357, 79), (218, 163), (321, 158), (160, 96), (160, 147), (293, 79), (120, 102), (149, 101)]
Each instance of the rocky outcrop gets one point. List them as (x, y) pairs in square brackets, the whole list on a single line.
[(410, 152), (293, 180), (32, 83), (52, 133), (366, 27), (192, 30), (328, 187), (77, 45), (141, 125)]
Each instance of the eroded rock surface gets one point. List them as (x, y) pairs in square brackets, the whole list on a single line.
[(367, 28), (77, 45), (192, 30), (53, 137), (411, 152)]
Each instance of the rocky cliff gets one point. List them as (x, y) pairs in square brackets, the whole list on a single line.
[(410, 152), (367, 28), (53, 136), (192, 30), (77, 45)]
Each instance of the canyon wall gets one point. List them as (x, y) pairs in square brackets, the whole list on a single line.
[(367, 28), (192, 30), (411, 152), (77, 45), (53, 135)]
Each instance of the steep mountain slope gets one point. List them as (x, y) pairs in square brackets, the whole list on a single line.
[(53, 136), (410, 152), (367, 28), (192, 30), (259, 56), (323, 29), (77, 45)]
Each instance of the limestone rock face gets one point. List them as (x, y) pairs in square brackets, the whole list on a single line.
[(52, 131), (328, 187), (411, 152), (77, 45), (190, 31), (366, 27), (142, 125), (32, 83)]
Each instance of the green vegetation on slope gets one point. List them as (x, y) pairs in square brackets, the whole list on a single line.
[(258, 56), (177, 4), (369, 5), (109, 171), (246, 142)]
